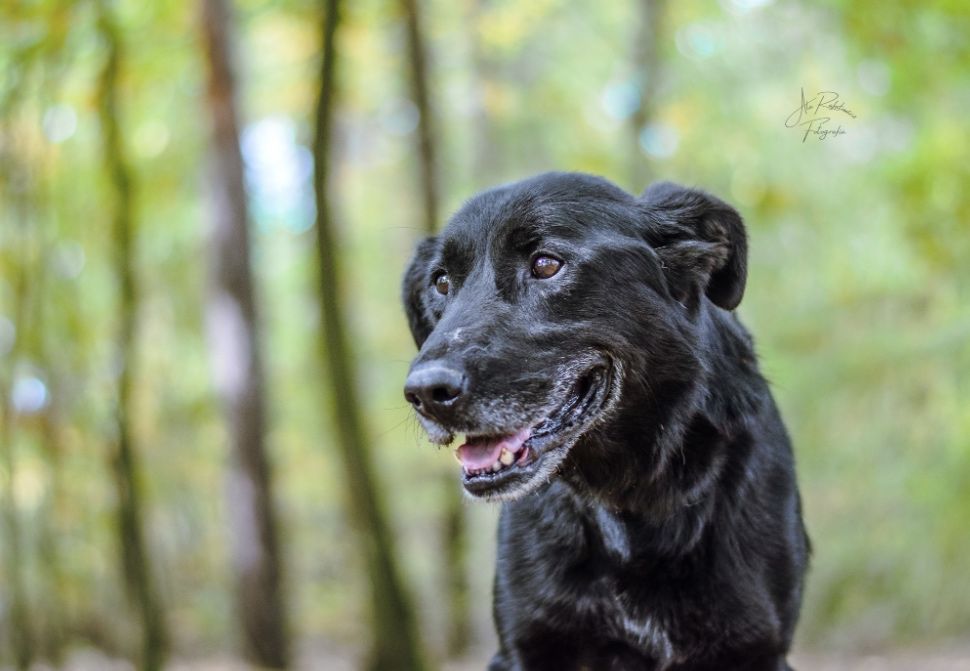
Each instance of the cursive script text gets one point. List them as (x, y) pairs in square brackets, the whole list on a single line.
[(807, 115)]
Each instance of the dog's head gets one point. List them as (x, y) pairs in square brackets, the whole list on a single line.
[(546, 304)]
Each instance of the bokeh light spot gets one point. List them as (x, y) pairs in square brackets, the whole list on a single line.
[(659, 140), (873, 77), (400, 117), (60, 123), (620, 100), (29, 395)]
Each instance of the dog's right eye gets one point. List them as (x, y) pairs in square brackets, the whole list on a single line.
[(544, 267), (442, 283)]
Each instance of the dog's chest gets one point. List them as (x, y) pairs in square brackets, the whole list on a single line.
[(611, 597), (644, 632), (574, 575)]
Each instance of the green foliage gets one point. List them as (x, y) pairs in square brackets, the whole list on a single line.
[(859, 289)]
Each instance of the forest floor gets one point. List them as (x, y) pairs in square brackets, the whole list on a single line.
[(325, 659), (893, 661)]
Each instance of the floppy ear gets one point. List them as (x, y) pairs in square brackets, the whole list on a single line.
[(414, 289), (701, 241)]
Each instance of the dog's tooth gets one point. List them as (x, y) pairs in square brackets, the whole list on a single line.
[(506, 457), (497, 466), (457, 458)]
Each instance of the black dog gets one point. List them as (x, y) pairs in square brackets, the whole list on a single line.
[(583, 340)]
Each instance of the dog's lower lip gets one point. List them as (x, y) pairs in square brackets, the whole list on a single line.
[(541, 441)]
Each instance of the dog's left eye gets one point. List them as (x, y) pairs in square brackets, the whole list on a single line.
[(442, 283), (544, 267)]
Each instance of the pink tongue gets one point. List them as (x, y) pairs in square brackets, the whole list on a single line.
[(484, 452)]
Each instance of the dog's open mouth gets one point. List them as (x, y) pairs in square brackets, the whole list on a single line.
[(497, 465)]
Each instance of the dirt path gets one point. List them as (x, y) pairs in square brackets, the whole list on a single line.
[(909, 660), (326, 659)]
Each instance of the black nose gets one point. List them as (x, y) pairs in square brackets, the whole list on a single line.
[(433, 387)]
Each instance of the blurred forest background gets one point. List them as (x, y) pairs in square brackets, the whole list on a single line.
[(205, 210)]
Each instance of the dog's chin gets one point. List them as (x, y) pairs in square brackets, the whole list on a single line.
[(522, 459)]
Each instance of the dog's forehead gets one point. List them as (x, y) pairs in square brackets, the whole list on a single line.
[(492, 217), (558, 205)]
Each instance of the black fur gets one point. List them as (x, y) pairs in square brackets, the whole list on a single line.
[(661, 527)]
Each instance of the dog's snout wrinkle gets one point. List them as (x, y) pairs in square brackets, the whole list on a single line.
[(434, 387)]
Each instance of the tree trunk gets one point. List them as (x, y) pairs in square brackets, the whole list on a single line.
[(235, 346), (14, 593), (21, 627), (395, 644), (51, 630), (417, 56), (487, 164), (646, 73), (124, 460), (454, 528), (455, 558), (53, 617)]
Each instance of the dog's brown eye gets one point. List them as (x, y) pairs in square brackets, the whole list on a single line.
[(442, 283), (544, 267)]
